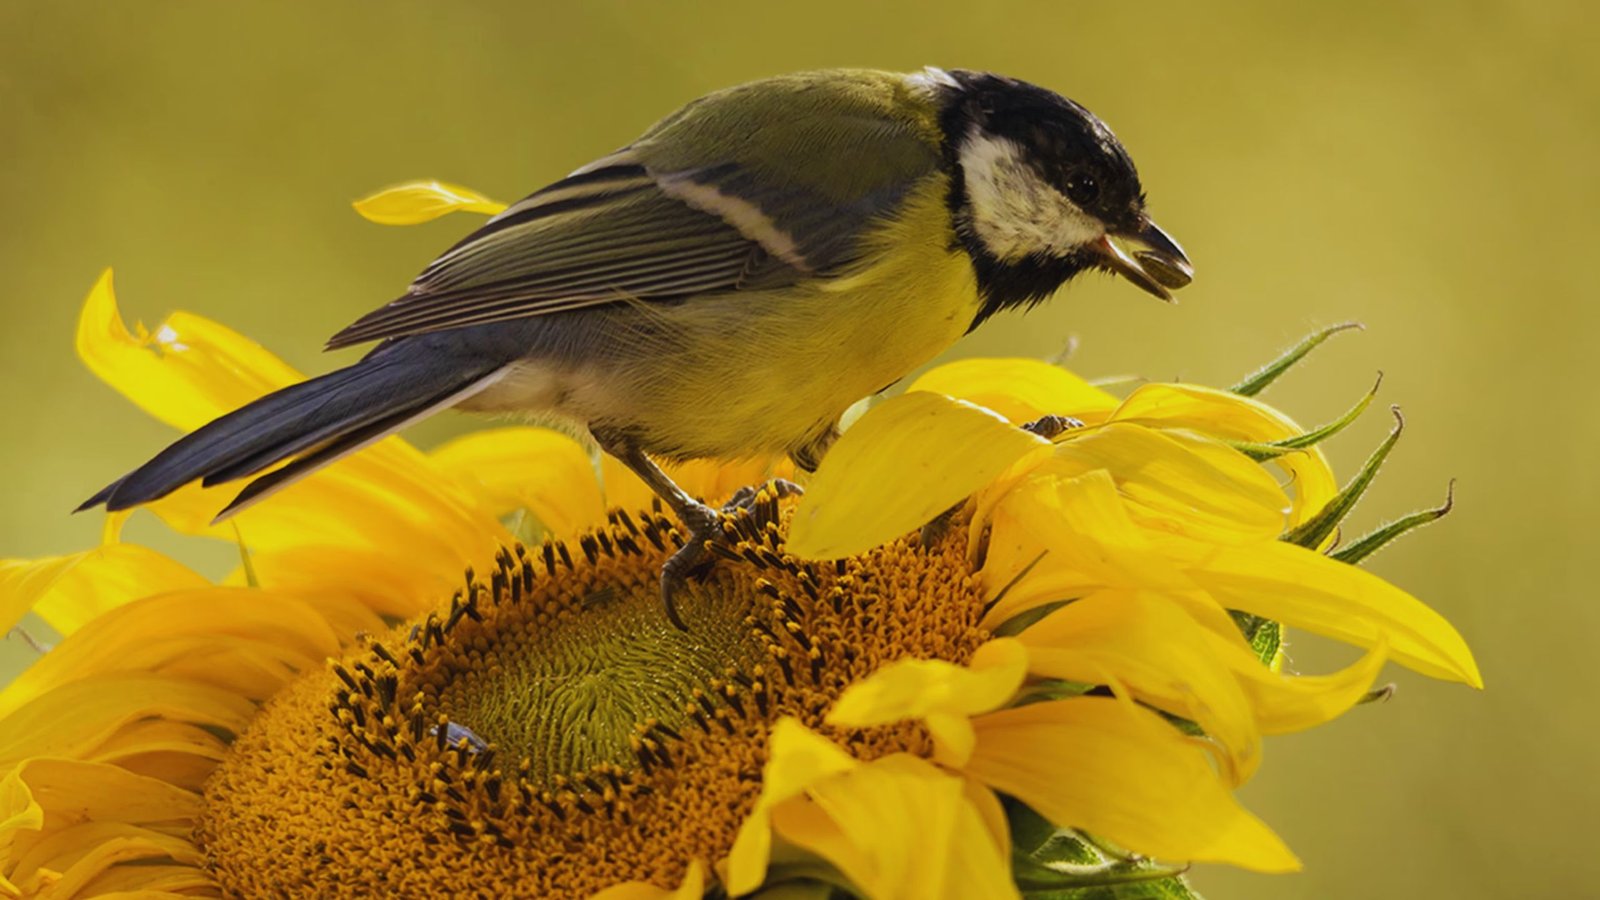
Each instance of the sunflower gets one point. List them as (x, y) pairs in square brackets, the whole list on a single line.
[(970, 661)]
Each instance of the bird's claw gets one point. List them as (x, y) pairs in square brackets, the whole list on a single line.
[(703, 524), (744, 498)]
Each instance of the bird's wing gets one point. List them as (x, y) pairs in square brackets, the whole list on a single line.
[(654, 222)]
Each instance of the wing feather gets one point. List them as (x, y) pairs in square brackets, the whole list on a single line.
[(649, 224)]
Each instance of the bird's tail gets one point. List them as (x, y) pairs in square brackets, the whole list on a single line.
[(315, 422)]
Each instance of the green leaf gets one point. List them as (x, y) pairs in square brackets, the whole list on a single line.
[(1263, 452), (1266, 375), (1315, 530), (1382, 536)]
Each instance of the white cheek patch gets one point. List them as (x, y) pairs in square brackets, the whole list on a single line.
[(1014, 212)]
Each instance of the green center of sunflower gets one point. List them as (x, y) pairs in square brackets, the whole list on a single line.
[(551, 733), (568, 688)]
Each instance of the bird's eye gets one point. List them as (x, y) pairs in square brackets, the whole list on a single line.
[(1082, 189)]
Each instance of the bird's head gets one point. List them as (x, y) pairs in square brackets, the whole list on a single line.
[(1043, 191)]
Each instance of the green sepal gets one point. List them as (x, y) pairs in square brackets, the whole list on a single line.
[(1379, 695), (1262, 452), (1039, 879), (1024, 620), (1383, 535), (1264, 636), (245, 562), (1315, 530), (1048, 689), (1050, 863), (1266, 375), (1029, 830)]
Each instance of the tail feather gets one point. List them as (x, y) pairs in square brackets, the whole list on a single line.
[(342, 446), (318, 420)]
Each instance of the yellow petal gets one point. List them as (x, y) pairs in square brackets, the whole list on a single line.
[(102, 859), (797, 758), (537, 469), (1285, 703), (692, 888), (1055, 538), (68, 591), (77, 720), (20, 813), (1161, 655), (423, 201), (193, 370), (900, 827), (1117, 770), (188, 372), (909, 459), (77, 790), (1181, 481), (1232, 417), (942, 693), (249, 641), (1304, 589), (1022, 390)]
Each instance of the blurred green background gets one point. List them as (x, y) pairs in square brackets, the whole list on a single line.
[(1427, 169)]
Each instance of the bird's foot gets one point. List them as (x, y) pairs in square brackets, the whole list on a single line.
[(1051, 427), (745, 498), (705, 528)]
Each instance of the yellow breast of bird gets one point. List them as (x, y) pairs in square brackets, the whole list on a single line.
[(764, 371)]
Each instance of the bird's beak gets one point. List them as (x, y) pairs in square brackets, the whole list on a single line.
[(1158, 264)]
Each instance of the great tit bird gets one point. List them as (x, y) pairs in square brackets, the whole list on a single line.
[(724, 286)]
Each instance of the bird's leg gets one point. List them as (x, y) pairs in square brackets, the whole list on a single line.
[(701, 521)]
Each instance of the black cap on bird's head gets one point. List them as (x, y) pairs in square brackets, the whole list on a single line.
[(1042, 191)]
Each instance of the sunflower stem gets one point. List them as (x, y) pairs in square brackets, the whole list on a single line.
[(1266, 375)]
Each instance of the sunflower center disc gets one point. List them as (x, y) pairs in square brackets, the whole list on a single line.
[(550, 733), (568, 692)]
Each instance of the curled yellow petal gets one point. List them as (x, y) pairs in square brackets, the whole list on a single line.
[(1114, 769), (1232, 417), (68, 591), (543, 471), (906, 461), (1055, 538), (900, 829), (1181, 481), (692, 887), (422, 201), (20, 813), (80, 720), (943, 694), (797, 758), (1162, 656), (186, 373), (1304, 589), (1022, 390), (1285, 703), (269, 638)]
